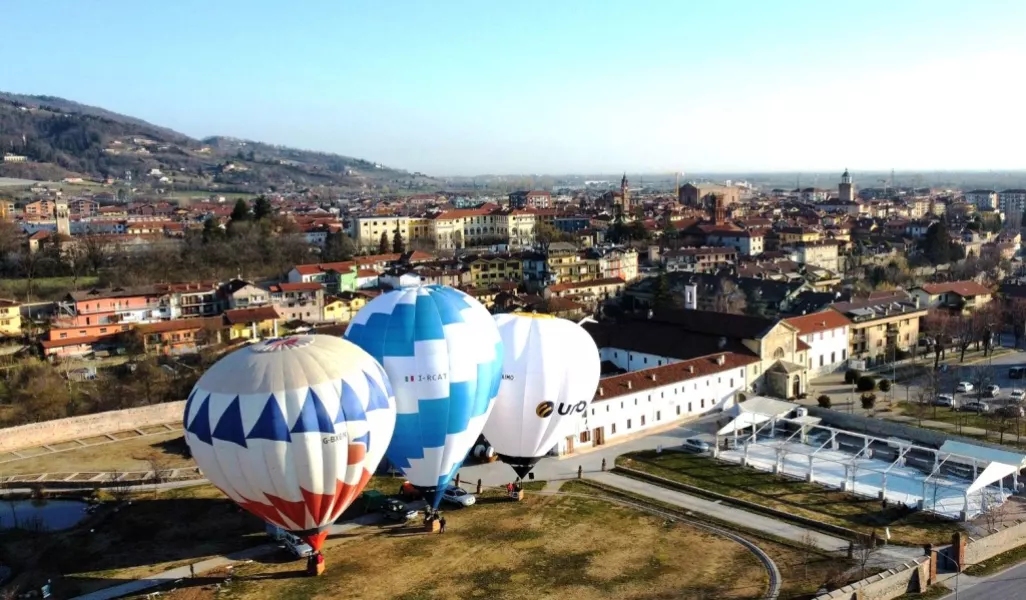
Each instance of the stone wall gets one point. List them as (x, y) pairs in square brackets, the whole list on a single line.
[(894, 583), (885, 428), (1009, 538), (62, 430)]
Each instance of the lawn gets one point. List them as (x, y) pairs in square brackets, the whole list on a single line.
[(966, 419), (128, 455), (43, 288), (544, 547), (792, 496)]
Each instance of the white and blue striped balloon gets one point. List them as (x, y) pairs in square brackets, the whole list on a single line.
[(443, 355)]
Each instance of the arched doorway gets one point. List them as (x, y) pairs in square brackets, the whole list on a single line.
[(797, 386)]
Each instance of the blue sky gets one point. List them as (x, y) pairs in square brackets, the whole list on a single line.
[(552, 86)]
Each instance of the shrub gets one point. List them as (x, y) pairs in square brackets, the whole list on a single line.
[(866, 384), (902, 354), (885, 385), (868, 400), (823, 401), (851, 376)]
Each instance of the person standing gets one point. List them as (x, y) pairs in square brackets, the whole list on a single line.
[(441, 524)]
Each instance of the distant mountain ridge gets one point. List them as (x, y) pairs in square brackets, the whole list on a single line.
[(63, 138)]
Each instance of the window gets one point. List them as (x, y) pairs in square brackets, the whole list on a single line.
[(821, 357), (731, 382), (703, 403), (659, 415), (645, 360), (628, 423), (642, 420), (585, 436), (678, 410), (844, 355), (621, 405), (607, 408), (833, 357), (593, 412), (635, 402)]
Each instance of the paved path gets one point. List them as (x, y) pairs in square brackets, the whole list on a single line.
[(726, 513), (1009, 584)]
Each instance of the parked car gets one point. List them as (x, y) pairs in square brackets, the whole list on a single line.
[(396, 510), (459, 496), (944, 400), (1016, 372), (408, 492), (1010, 412), (964, 387), (696, 445), (293, 544), (1018, 395), (993, 391), (977, 407)]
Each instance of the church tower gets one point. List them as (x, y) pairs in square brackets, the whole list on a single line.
[(63, 217), (845, 191)]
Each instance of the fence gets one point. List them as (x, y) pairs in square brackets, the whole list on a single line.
[(72, 428)]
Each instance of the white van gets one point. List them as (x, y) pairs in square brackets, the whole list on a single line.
[(293, 544)]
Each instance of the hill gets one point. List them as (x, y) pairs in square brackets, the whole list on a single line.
[(62, 138)]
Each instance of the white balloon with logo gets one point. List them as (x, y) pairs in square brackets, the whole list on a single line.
[(551, 369)]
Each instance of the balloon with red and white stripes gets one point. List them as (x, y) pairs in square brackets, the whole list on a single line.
[(292, 429)]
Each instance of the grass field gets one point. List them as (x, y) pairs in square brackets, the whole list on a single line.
[(43, 288), (127, 455), (792, 496), (543, 547), (990, 423)]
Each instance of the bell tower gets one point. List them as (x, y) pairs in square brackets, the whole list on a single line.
[(625, 194), (845, 190), (63, 217)]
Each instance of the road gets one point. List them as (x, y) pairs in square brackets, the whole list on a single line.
[(1006, 585)]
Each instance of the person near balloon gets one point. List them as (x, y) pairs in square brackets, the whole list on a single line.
[(441, 524), (315, 564)]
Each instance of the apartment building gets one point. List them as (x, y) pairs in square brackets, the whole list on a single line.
[(298, 301), (881, 324), (826, 333)]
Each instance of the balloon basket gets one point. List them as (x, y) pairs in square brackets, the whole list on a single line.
[(433, 526), (319, 571), (516, 496), (491, 459)]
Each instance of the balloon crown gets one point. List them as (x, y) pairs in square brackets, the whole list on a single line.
[(282, 343)]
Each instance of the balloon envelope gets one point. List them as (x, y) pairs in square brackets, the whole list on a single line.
[(292, 429), (442, 352), (551, 368)]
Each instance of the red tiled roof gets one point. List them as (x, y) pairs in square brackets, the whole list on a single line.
[(311, 286), (367, 273), (962, 288), (249, 315), (86, 339), (178, 325), (611, 387), (816, 322)]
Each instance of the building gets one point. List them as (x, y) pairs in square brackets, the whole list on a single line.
[(749, 242), (881, 325), (1012, 202), (341, 308), (10, 318), (822, 254), (114, 306), (982, 198), (252, 323), (703, 195), (530, 199), (826, 333), (795, 235), (192, 299), (298, 301), (959, 296), (776, 357), (589, 293), (486, 269), (706, 259), (336, 277), (634, 402), (619, 263), (63, 217), (182, 336), (40, 208), (238, 294), (845, 189)]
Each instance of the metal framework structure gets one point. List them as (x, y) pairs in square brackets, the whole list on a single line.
[(949, 484)]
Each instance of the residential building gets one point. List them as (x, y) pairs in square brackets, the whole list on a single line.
[(10, 318), (795, 235), (619, 263), (749, 242), (958, 296), (191, 299), (822, 254), (141, 304), (710, 292), (881, 324), (252, 323), (486, 269), (826, 333), (181, 336), (366, 230), (706, 259), (238, 294), (589, 293), (40, 208), (566, 264), (1012, 202), (982, 198), (298, 301), (341, 308), (703, 194), (335, 277), (530, 199)]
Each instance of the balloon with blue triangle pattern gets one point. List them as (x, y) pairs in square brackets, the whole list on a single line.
[(442, 352), (292, 429)]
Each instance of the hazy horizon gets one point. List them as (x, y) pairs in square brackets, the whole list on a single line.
[(461, 89)]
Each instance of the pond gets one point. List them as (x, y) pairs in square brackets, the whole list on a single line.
[(41, 515)]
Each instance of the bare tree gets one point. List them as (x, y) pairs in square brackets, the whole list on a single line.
[(808, 549), (1015, 317), (160, 468), (119, 487), (991, 517), (728, 297), (938, 325), (864, 548)]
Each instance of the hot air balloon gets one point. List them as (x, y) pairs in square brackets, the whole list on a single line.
[(442, 352), (291, 429), (551, 369)]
